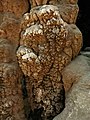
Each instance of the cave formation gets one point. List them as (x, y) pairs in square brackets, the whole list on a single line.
[(14, 101)]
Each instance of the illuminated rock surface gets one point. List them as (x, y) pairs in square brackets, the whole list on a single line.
[(11, 99), (44, 41), (78, 98), (47, 45), (18, 7)]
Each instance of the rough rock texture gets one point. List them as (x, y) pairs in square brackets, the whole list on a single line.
[(47, 40), (47, 45), (36, 60), (11, 99), (18, 7), (75, 70), (68, 8), (78, 98), (10, 29)]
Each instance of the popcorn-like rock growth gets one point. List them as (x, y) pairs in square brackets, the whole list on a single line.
[(47, 45)]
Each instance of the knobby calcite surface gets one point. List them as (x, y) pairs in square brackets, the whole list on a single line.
[(47, 45), (34, 49)]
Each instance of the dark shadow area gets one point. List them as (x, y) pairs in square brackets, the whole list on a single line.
[(83, 21)]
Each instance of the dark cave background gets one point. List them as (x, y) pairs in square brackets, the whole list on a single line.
[(83, 21)]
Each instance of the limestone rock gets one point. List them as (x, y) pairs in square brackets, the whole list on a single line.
[(11, 98), (36, 59), (74, 71), (47, 45), (1, 8), (10, 29), (78, 98), (11, 102), (18, 7), (68, 8), (35, 3), (70, 1), (69, 12), (49, 40), (86, 53), (7, 53)]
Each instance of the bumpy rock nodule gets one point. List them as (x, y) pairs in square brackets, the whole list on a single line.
[(47, 45)]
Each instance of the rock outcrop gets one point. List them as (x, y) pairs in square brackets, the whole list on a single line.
[(11, 98), (73, 72), (34, 49), (48, 43), (78, 97), (18, 7)]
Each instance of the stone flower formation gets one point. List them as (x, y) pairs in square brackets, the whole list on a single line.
[(46, 40)]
